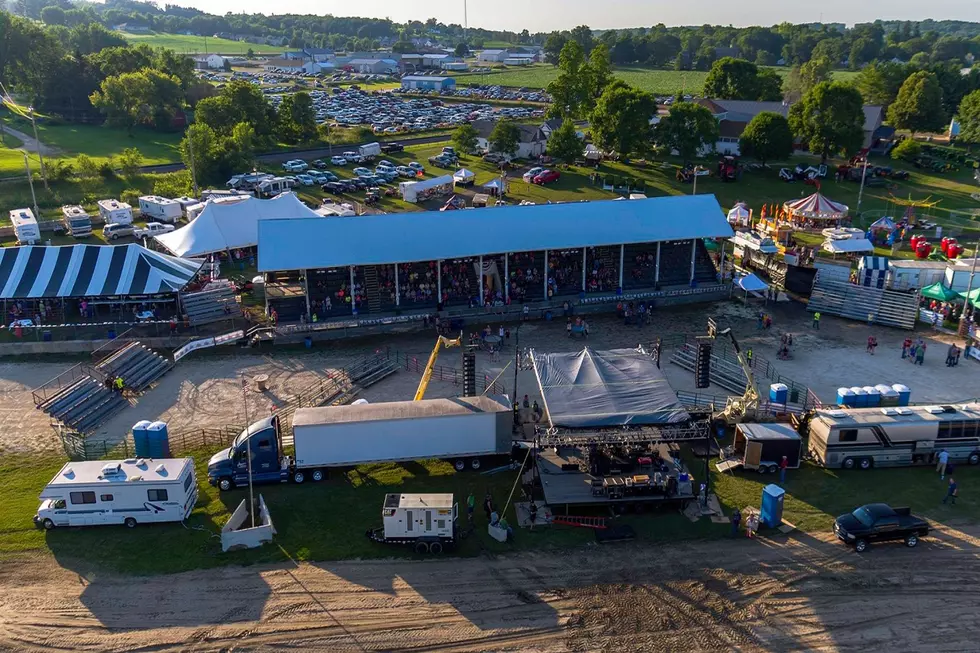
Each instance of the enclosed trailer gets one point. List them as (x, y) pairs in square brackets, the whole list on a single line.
[(115, 212), (425, 521), (160, 209), (370, 150), (25, 226), (761, 447), (129, 492)]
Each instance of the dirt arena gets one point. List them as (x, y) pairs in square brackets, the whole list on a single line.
[(204, 390)]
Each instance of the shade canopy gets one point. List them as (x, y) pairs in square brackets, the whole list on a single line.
[(597, 389), (231, 223), (91, 271), (751, 283), (849, 246), (816, 207), (496, 182), (464, 175), (884, 222), (940, 292), (973, 297), (739, 214)]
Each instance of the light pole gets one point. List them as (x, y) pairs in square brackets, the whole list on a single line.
[(964, 326), (517, 356), (864, 173), (30, 182), (37, 145)]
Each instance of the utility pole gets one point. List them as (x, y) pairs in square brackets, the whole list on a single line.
[(964, 326), (190, 150), (30, 182), (248, 440), (37, 143), (864, 173)]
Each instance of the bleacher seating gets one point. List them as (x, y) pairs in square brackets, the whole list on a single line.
[(523, 287), (888, 307), (136, 365), (218, 302), (418, 284), (84, 405), (333, 283), (460, 285), (675, 265)]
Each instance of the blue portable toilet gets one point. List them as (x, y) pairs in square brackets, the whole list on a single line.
[(158, 440), (140, 438), (771, 513), (778, 393), (860, 397), (845, 397), (903, 394), (874, 395), (888, 395)]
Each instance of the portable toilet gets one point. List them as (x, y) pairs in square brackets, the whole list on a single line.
[(873, 394), (778, 393), (888, 395), (845, 397), (141, 438), (771, 513), (158, 440), (860, 397), (903, 394)]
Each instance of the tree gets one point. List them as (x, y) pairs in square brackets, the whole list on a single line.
[(146, 97), (237, 102), (879, 82), (803, 78), (621, 120), (505, 138), (564, 143), (53, 15), (553, 46), (767, 137), (86, 167), (689, 128), (569, 89), (296, 119), (829, 119), (583, 36), (863, 50), (969, 117), (130, 161), (173, 184), (598, 75), (770, 86), (907, 150), (250, 54), (401, 47), (919, 104), (462, 50), (738, 79), (464, 138)]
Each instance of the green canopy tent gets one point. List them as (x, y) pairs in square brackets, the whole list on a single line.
[(974, 297), (939, 292)]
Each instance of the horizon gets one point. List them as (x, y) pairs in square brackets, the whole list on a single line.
[(549, 15)]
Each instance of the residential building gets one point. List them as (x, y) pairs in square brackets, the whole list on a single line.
[(532, 142), (426, 83), (211, 62), (492, 56), (548, 127)]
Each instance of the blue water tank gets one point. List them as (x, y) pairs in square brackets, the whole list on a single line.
[(159, 440), (771, 512), (903, 394), (860, 397), (873, 394), (140, 438), (845, 397), (778, 393)]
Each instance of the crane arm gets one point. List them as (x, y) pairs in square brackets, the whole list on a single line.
[(433, 357), (751, 392)]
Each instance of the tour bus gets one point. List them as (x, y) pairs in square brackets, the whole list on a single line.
[(893, 437), (128, 492)]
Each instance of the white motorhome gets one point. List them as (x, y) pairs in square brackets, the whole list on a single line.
[(273, 186), (25, 226), (160, 209), (115, 212), (77, 221), (128, 492)]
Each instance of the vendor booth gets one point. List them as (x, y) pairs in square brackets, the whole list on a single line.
[(464, 177), (740, 215), (419, 191)]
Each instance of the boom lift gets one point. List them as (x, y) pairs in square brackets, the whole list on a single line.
[(443, 341), (746, 406)]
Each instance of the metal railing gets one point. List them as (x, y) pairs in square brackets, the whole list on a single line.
[(50, 388), (444, 373)]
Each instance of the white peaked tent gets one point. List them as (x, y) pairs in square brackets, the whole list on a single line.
[(739, 215), (230, 223), (463, 176)]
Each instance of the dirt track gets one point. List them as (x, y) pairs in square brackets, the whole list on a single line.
[(799, 593)]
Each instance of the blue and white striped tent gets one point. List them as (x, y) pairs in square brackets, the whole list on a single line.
[(91, 271), (872, 271)]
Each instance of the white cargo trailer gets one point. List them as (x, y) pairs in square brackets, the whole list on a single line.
[(160, 209), (115, 212), (370, 150)]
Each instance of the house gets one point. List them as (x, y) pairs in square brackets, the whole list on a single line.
[(532, 142), (211, 62), (427, 83), (373, 66), (294, 54), (549, 126), (492, 56), (454, 66)]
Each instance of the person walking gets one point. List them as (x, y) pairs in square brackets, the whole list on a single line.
[(941, 462), (748, 356), (470, 505), (950, 353), (920, 354), (816, 320), (751, 525), (488, 506), (951, 491), (783, 464), (568, 327), (906, 345), (736, 521)]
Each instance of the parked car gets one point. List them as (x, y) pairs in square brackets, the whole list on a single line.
[(392, 147), (295, 165), (404, 171), (329, 175), (417, 167), (115, 231), (317, 176), (319, 163), (153, 229), (338, 160), (333, 187), (306, 180), (879, 522), (546, 177), (361, 171), (532, 173), (353, 157)]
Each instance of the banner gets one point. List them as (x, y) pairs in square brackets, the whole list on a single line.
[(228, 337), (193, 345)]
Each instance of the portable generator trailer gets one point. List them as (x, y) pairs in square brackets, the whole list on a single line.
[(427, 522)]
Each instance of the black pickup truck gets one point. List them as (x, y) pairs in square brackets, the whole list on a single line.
[(879, 522)]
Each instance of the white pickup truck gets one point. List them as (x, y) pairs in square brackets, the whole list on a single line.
[(153, 229)]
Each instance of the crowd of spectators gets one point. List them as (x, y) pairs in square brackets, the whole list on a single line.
[(418, 283), (457, 282), (564, 272), (525, 277)]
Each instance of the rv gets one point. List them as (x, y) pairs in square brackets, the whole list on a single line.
[(25, 226), (194, 210), (273, 186), (128, 492), (115, 212), (160, 209), (77, 221), (893, 437), (248, 181)]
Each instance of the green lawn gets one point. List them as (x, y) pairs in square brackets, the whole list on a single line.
[(652, 80), (200, 44)]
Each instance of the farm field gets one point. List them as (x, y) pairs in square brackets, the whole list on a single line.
[(652, 80), (186, 44)]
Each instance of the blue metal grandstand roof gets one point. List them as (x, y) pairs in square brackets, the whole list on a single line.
[(315, 243)]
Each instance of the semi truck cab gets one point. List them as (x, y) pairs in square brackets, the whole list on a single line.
[(229, 467)]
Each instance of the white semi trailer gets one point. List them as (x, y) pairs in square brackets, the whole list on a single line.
[(467, 431)]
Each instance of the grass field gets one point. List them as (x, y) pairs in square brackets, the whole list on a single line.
[(200, 44), (652, 80)]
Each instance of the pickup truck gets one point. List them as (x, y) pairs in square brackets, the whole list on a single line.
[(876, 522), (153, 229)]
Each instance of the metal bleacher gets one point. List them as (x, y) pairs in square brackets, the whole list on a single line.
[(80, 399), (217, 303), (832, 296)]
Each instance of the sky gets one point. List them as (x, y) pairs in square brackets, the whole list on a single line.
[(548, 15)]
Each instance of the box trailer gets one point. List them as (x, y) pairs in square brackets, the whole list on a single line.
[(127, 492), (25, 225), (115, 212), (761, 447), (77, 221), (427, 522), (160, 209), (467, 431), (370, 150)]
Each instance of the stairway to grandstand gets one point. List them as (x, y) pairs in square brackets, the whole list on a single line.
[(371, 288), (887, 307), (79, 398), (216, 303)]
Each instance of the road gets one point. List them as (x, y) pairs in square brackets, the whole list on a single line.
[(279, 157), (790, 593)]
